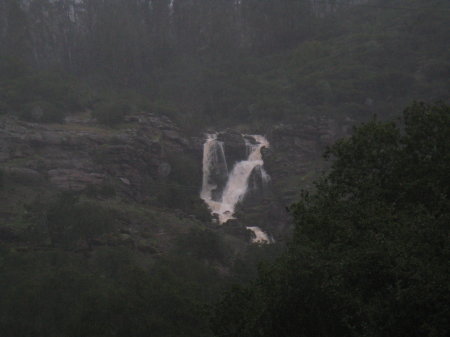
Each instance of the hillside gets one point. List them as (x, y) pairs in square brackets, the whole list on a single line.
[(106, 108)]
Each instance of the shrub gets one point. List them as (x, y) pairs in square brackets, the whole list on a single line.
[(3, 108), (104, 190), (111, 113), (41, 111), (70, 219), (202, 244), (2, 178), (38, 96)]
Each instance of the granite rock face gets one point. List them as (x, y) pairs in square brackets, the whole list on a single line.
[(77, 154), (297, 149), (234, 147), (293, 161)]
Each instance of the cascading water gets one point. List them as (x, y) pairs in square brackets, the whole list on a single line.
[(215, 170), (214, 166), (237, 184), (259, 235)]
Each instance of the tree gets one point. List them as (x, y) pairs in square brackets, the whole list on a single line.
[(371, 248), (70, 219), (276, 25)]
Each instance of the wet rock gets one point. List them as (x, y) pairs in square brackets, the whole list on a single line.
[(175, 136), (234, 147), (8, 234), (164, 170), (145, 247), (75, 180), (125, 181), (78, 154), (23, 175), (123, 240)]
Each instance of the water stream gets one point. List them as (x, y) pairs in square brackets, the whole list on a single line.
[(223, 190)]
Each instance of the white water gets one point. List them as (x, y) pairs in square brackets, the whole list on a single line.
[(260, 236), (213, 160), (238, 180)]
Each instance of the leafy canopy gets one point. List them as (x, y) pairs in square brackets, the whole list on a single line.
[(371, 247)]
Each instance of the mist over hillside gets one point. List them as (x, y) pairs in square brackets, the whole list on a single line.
[(224, 168)]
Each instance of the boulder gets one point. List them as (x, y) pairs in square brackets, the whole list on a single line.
[(234, 147), (23, 175), (8, 234), (75, 180)]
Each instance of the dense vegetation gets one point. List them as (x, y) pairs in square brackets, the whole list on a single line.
[(371, 247), (69, 267), (224, 62), (40, 97)]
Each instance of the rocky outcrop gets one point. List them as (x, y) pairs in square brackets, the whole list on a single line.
[(69, 179), (82, 155), (293, 161), (296, 149), (234, 147), (79, 153)]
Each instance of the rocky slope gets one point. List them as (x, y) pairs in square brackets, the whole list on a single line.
[(293, 161), (133, 169), (150, 162), (78, 154)]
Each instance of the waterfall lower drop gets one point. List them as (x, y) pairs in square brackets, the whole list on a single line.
[(260, 236), (222, 200)]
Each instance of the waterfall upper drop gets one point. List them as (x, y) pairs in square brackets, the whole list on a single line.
[(215, 170), (223, 190)]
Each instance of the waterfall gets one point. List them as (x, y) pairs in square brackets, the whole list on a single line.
[(214, 170), (214, 166), (260, 236)]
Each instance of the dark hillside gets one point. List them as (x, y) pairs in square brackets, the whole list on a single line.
[(254, 62), (104, 107)]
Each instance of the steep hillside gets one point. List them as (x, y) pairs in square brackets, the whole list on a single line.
[(105, 108), (92, 217), (222, 63)]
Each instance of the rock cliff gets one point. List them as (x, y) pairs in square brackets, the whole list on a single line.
[(150, 161), (79, 153)]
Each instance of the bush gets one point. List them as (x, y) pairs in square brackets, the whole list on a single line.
[(202, 244), (111, 113), (2, 179), (369, 256), (38, 96), (70, 220), (41, 111), (105, 190), (3, 108)]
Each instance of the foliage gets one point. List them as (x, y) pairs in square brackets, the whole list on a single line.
[(39, 111), (104, 190), (111, 113), (202, 244), (178, 190), (225, 62), (36, 96), (76, 266), (67, 220), (2, 178), (59, 293), (370, 252), (367, 256)]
